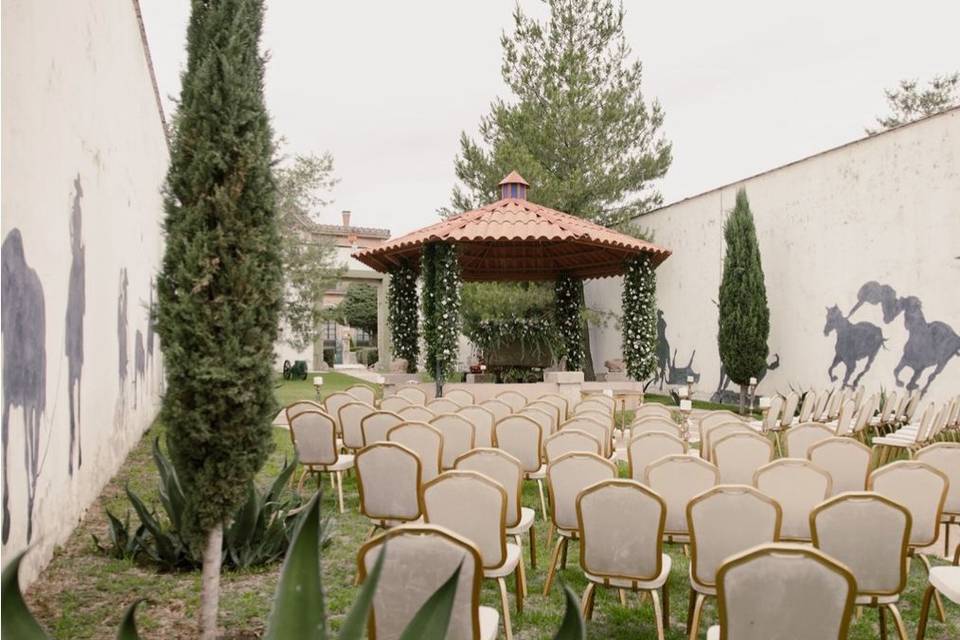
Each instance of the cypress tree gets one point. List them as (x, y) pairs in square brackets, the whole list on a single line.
[(220, 285), (744, 317)]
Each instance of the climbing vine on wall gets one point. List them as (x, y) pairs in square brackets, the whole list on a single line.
[(403, 316), (441, 306), (569, 313), (640, 318)]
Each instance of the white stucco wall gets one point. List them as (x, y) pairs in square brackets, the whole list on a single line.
[(84, 157), (884, 210)]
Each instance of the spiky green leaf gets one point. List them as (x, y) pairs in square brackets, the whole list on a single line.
[(433, 618), (16, 621)]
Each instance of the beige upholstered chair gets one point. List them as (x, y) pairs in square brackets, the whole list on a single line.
[(922, 489), (333, 402), (843, 425), (789, 410), (943, 580), (834, 400), (458, 437), (414, 394), (771, 418), (513, 399), (375, 426), (739, 455), (593, 405), (474, 506), (813, 599), (421, 559), (424, 440), (652, 410), (720, 431), (862, 418), (807, 406), (522, 437), (443, 405), (483, 421), (677, 479), (798, 486), (314, 437), (296, 408), (557, 400), (621, 532), (644, 448), (945, 457), (798, 440), (602, 432), (908, 438), (846, 460), (394, 403), (602, 398), (350, 416), (566, 478), (568, 441), (416, 413), (541, 417), (868, 533), (550, 409), (363, 393), (388, 481), (461, 396), (823, 401), (506, 470), (498, 408), (724, 521), (660, 424)]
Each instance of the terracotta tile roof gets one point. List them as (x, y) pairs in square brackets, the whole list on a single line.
[(515, 239)]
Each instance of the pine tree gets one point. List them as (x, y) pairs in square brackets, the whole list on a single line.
[(220, 285), (744, 317)]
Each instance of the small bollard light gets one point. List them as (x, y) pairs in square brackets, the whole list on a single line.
[(317, 383), (686, 405), (764, 402), (683, 392)]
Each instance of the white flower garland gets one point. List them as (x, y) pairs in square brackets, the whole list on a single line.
[(441, 306), (403, 316), (640, 318), (568, 294)]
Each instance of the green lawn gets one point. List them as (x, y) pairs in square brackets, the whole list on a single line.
[(83, 594)]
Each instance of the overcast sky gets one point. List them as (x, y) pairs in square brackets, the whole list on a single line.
[(387, 86)]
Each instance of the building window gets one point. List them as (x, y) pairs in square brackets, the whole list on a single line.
[(330, 331), (363, 337)]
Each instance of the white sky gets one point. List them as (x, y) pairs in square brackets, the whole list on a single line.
[(388, 86)]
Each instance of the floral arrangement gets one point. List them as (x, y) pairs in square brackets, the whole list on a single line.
[(441, 306), (535, 335), (403, 316), (568, 294), (640, 318)]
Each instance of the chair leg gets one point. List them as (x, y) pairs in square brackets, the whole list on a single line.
[(332, 484), (666, 603), (657, 613), (563, 556), (521, 571), (924, 612), (881, 610), (303, 479), (543, 501), (505, 605), (697, 611), (941, 614), (339, 475), (585, 601), (533, 547), (623, 597), (552, 570), (691, 598), (898, 621), (520, 586), (946, 539)]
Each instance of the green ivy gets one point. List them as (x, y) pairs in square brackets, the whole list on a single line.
[(640, 318), (569, 314), (441, 306), (403, 315), (535, 335)]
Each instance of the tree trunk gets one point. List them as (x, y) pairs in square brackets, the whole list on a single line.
[(588, 373), (210, 583), (743, 398)]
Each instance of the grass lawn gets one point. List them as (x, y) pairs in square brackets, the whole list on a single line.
[(82, 594)]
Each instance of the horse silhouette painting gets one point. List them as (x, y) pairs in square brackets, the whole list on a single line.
[(854, 343), (931, 344)]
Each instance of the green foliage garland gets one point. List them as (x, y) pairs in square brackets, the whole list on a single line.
[(403, 315), (640, 318), (536, 336), (441, 306), (568, 296)]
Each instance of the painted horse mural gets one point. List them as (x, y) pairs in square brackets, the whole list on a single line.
[(667, 371), (854, 343)]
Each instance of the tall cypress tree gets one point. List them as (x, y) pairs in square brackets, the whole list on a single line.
[(744, 315), (220, 285)]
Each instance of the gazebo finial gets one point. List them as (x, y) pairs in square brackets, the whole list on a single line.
[(513, 186)]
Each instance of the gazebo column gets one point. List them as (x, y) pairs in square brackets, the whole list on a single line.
[(403, 314), (440, 270), (639, 318), (568, 298)]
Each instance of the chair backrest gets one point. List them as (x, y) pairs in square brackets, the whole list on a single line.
[(498, 408), (845, 418), (652, 410), (593, 405), (621, 530), (662, 425), (833, 404), (678, 478), (772, 417), (798, 440), (715, 418), (945, 457), (473, 505), (416, 413), (314, 436), (334, 401), (502, 467), (808, 406), (513, 399), (442, 405), (648, 446), (846, 460), (602, 432), (718, 432), (567, 441), (789, 409), (739, 455), (727, 520), (363, 393), (461, 396), (813, 598), (869, 534), (350, 416), (920, 488), (420, 560), (458, 437), (394, 403), (550, 409), (482, 421), (415, 395), (597, 416), (913, 402), (294, 409), (798, 485), (541, 417), (820, 409), (602, 398), (858, 395), (904, 406), (521, 437), (864, 413), (388, 481), (559, 402), (890, 403), (567, 476), (376, 425), (424, 440)]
